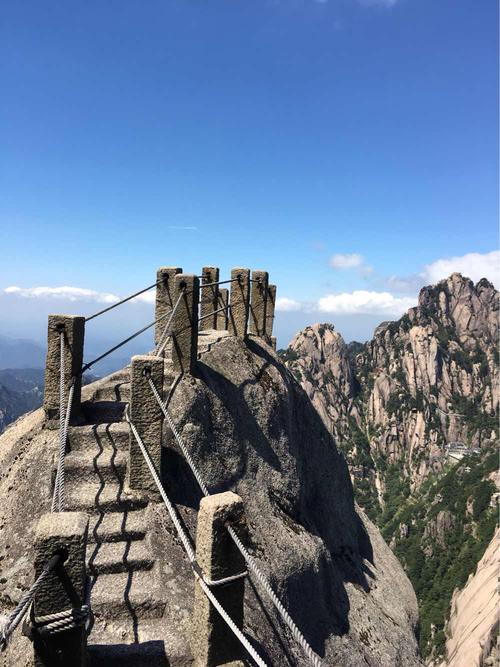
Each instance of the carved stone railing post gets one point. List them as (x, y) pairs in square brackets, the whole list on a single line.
[(240, 302), (270, 305), (212, 642), (73, 328), (258, 303), (209, 298), (62, 590), (185, 324), (222, 316), (164, 297), (147, 417)]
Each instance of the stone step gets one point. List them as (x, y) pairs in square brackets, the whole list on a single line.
[(103, 412), (86, 465), (119, 391), (143, 654), (105, 497), (97, 437), (127, 594), (106, 558), (118, 526)]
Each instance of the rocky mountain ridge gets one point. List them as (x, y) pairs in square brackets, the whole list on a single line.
[(250, 428), (415, 412)]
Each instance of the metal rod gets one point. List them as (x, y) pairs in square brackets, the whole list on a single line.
[(119, 303), (212, 313), (127, 340), (220, 282)]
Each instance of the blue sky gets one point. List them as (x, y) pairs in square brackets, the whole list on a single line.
[(350, 147)]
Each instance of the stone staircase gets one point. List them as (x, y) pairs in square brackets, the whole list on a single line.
[(125, 582), (125, 587)]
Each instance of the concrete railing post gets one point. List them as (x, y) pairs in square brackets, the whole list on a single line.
[(271, 303), (258, 303), (222, 302), (240, 302), (147, 416), (63, 589), (73, 328), (164, 297), (212, 642), (209, 298), (185, 324)]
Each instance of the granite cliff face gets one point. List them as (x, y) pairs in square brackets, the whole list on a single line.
[(425, 381), (252, 429), (415, 412)]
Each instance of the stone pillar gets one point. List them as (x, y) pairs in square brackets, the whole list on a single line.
[(273, 342), (164, 296), (147, 416), (185, 324), (240, 302), (222, 302), (209, 297), (212, 642), (62, 589), (259, 294), (271, 303), (73, 328)]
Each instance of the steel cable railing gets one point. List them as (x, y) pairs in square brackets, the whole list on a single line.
[(251, 563), (119, 303), (202, 580), (15, 617)]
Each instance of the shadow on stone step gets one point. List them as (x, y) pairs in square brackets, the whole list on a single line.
[(130, 655), (103, 412)]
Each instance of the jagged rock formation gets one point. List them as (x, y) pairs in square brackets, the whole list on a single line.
[(251, 429), (429, 379), (422, 394), (473, 626)]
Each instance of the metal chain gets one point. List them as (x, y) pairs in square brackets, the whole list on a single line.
[(204, 583), (180, 442), (251, 563), (68, 619), (64, 418), (166, 333), (15, 617)]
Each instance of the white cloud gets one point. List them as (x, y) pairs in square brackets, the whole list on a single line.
[(285, 304), (365, 302), (473, 265), (65, 292), (352, 261), (380, 3)]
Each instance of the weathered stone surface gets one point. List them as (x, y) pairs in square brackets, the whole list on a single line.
[(218, 558), (240, 302), (185, 324), (258, 303), (222, 316), (270, 306), (472, 630), (74, 328), (64, 587), (164, 297), (147, 416), (209, 298), (251, 430)]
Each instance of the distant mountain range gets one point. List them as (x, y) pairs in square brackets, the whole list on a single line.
[(21, 390), (19, 353)]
